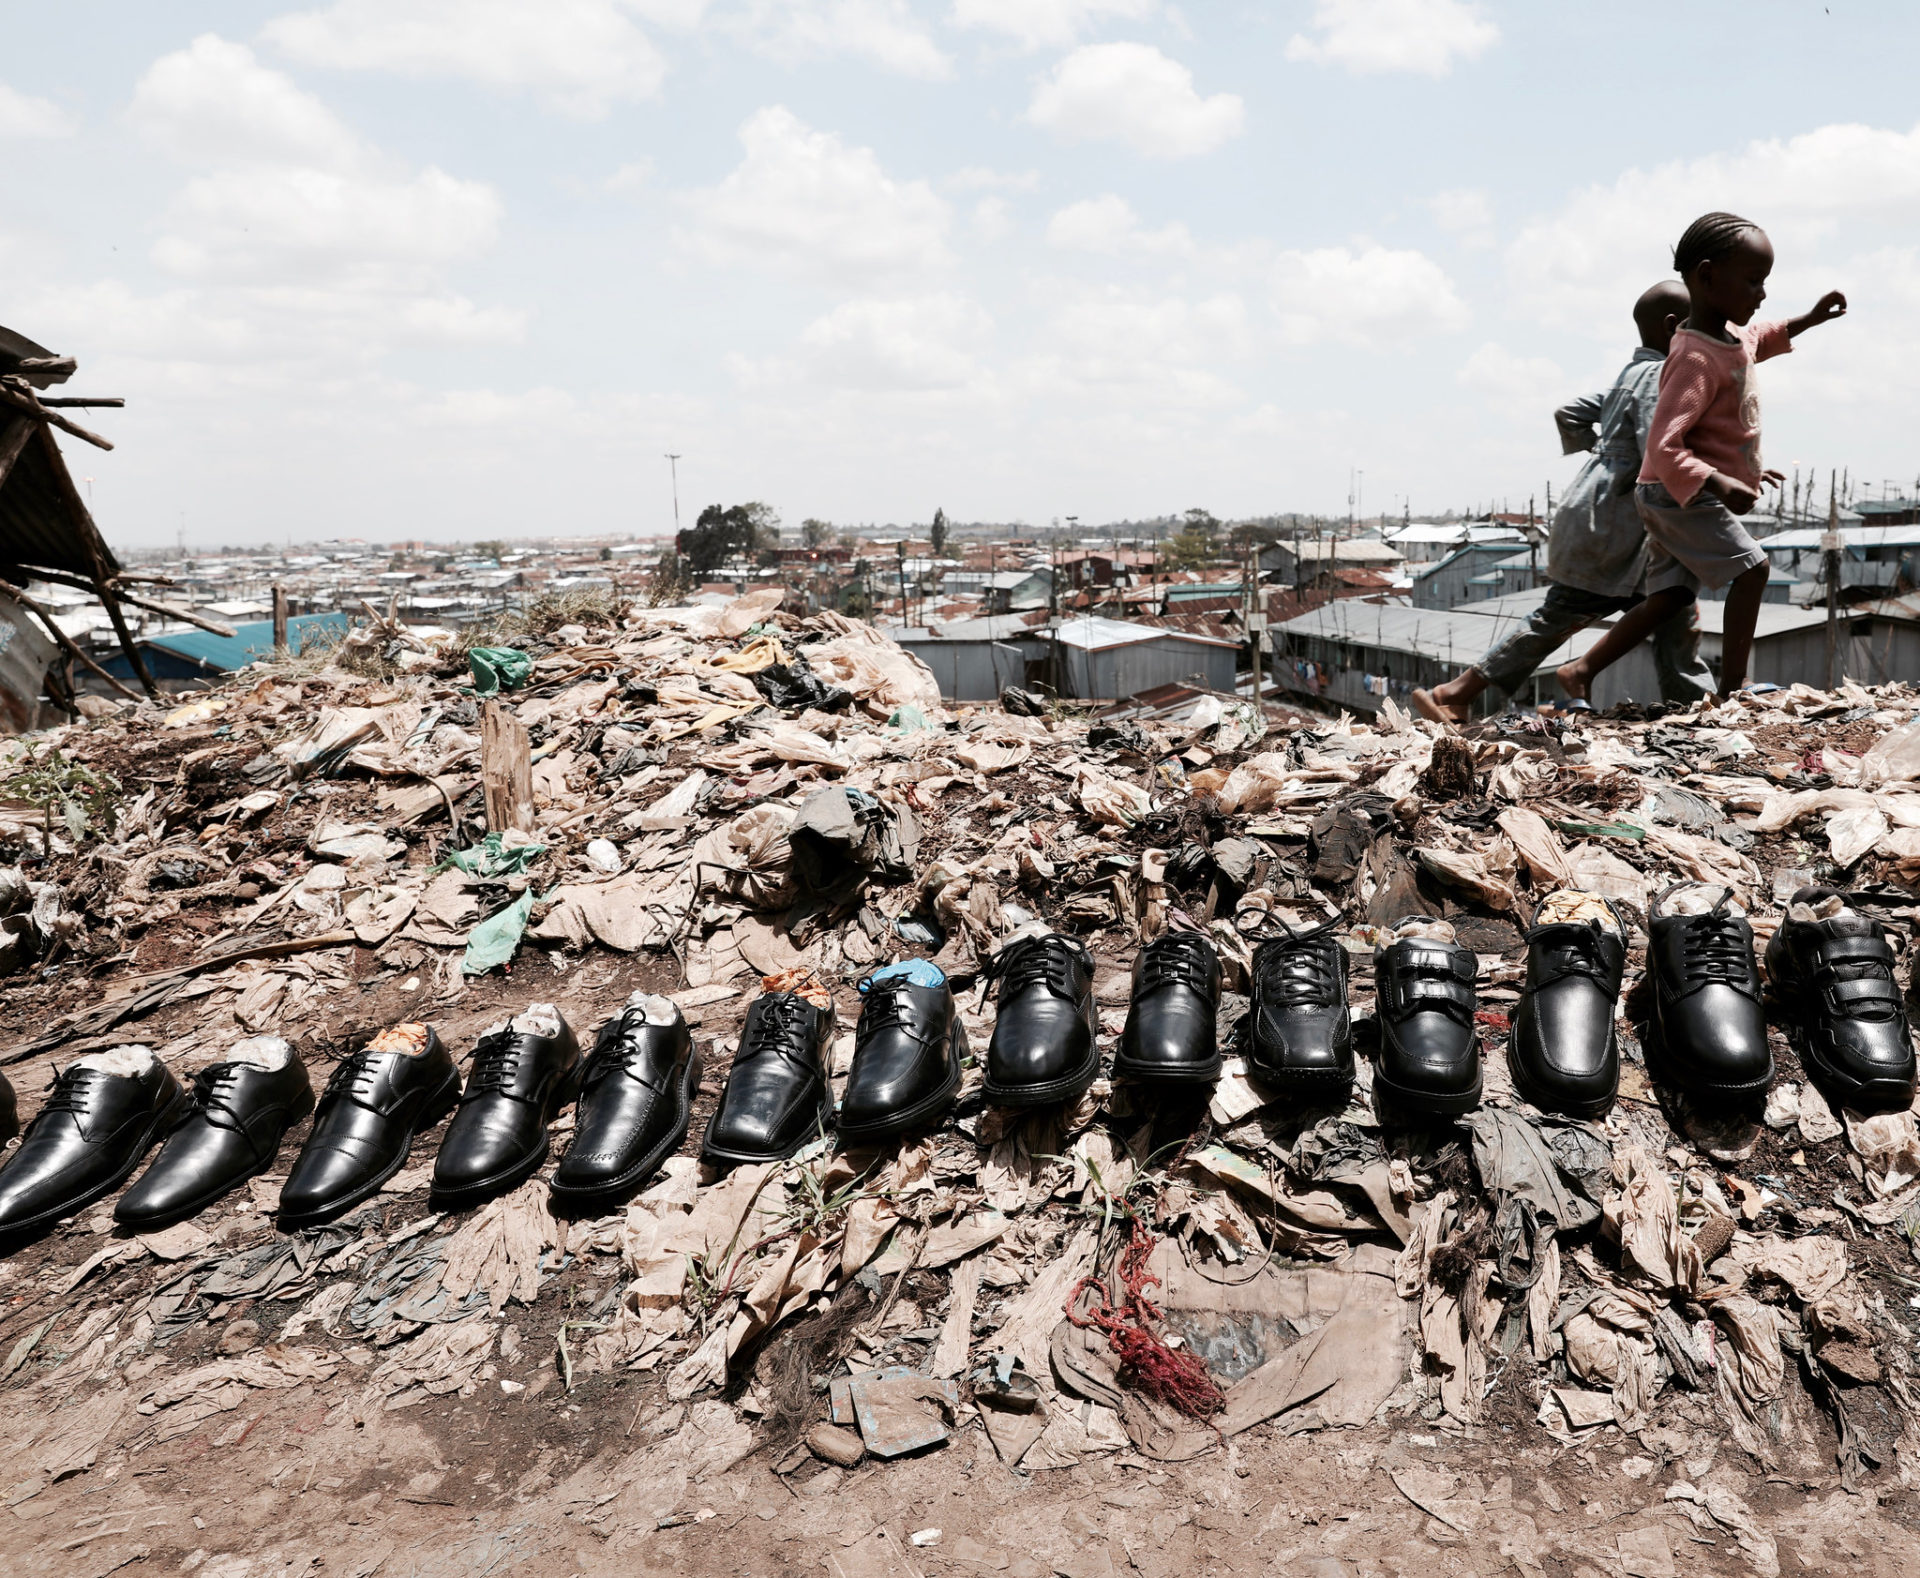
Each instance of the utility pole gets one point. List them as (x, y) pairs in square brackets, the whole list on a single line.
[(1830, 546), (673, 468)]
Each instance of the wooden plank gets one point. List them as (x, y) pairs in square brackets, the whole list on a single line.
[(506, 769), (96, 551), (279, 619)]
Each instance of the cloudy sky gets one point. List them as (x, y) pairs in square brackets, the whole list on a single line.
[(459, 268)]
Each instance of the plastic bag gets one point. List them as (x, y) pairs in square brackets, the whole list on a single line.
[(491, 857), (794, 686), (498, 668), (496, 939)]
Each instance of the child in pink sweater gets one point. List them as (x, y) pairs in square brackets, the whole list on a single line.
[(1702, 467)]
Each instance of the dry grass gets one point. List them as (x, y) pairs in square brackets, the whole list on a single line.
[(595, 606)]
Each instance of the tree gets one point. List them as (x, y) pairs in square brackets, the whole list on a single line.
[(814, 533), (720, 533), (939, 532), (606, 555), (492, 549), (1197, 541)]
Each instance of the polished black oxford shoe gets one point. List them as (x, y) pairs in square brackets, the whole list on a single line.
[(1044, 1047), (101, 1115), (1563, 1053), (240, 1111), (1302, 1037), (524, 1072), (1831, 969), (636, 1099), (777, 1096), (907, 1052), (1429, 1049), (1710, 1030), (376, 1101), (1169, 1036)]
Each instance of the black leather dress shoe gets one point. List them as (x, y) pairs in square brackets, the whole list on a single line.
[(1044, 1047), (102, 1114), (907, 1052), (1302, 1040), (635, 1100), (522, 1075), (1710, 1031), (1563, 1053), (241, 1110), (1429, 1050), (1833, 977), (403, 1081), (777, 1096), (1169, 1035)]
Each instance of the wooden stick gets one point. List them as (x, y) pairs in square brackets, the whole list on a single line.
[(506, 769), (279, 618), (63, 638), (22, 398), (61, 578), (13, 441), (82, 400)]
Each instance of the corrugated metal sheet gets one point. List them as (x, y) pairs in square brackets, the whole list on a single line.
[(248, 642), (25, 652), (40, 523)]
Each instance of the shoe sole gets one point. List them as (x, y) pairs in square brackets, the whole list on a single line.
[(465, 1196), (149, 1224), (1451, 1105), (927, 1107), (823, 1123), (436, 1107), (1665, 1070), (1852, 1091), (1070, 1087), (1300, 1082), (162, 1121), (618, 1190), (1535, 1097), (1169, 1073)]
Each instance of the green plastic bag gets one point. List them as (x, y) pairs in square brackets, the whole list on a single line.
[(908, 719), (497, 938), (490, 858), (498, 668)]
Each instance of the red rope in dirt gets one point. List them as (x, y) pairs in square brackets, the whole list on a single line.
[(1147, 1365)]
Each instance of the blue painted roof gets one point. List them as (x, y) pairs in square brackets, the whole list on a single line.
[(248, 642)]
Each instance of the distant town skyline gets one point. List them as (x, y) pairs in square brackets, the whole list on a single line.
[(405, 268)]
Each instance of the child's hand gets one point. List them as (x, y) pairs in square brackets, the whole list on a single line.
[(1828, 307), (1732, 492)]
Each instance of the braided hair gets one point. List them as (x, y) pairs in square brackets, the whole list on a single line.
[(1709, 237)]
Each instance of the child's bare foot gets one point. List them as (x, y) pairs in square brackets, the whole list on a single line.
[(1574, 680), (1432, 708)]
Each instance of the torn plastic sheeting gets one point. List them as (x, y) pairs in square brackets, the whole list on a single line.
[(492, 857), (498, 668), (495, 940), (1515, 1157)]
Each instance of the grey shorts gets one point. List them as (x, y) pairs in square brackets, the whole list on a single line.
[(1692, 545)]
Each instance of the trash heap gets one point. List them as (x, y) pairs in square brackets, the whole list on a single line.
[(727, 800)]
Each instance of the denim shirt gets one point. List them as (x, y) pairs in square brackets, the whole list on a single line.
[(1597, 543)]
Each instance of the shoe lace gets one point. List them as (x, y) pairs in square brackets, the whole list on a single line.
[(496, 1059), (68, 1089), (214, 1089), (1038, 961), (1300, 968), (1577, 952), (780, 1027), (1716, 951), (1177, 959), (885, 1009), (354, 1078)]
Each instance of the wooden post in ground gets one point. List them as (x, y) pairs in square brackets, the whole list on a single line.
[(279, 619), (506, 769)]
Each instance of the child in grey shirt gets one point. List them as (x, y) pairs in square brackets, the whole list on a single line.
[(1597, 547)]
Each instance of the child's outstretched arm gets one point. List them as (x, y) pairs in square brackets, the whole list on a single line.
[(1825, 310)]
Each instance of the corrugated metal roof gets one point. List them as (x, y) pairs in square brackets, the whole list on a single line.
[(1850, 537), (1100, 635), (247, 643)]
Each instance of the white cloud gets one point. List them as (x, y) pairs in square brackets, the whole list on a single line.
[(802, 200), (581, 56), (634, 176), (1518, 386), (1465, 212), (1420, 36), (1373, 296), (883, 32), (214, 102), (1584, 264), (919, 343), (1035, 24), (25, 117), (992, 219), (1133, 94), (1109, 225), (978, 178)]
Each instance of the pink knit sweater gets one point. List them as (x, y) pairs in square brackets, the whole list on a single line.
[(1707, 418)]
